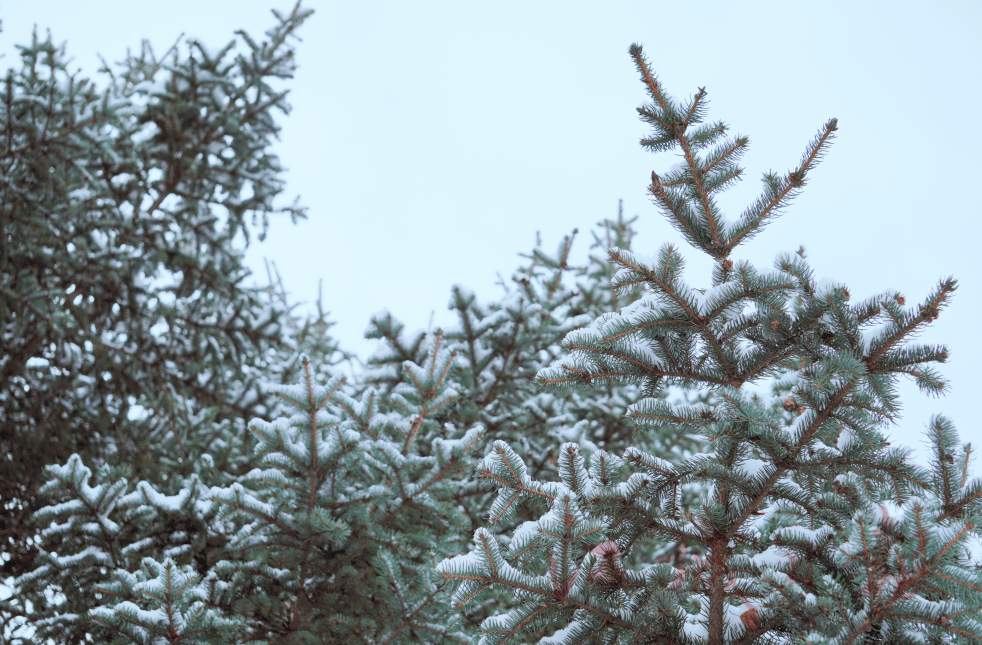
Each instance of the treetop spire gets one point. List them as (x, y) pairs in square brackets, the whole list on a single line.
[(685, 193)]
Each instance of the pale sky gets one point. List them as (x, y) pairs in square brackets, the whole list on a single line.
[(431, 140)]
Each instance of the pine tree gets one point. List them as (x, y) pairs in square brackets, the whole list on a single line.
[(332, 539), (335, 535), (128, 329), (726, 516), (803, 524), (504, 343), (501, 345)]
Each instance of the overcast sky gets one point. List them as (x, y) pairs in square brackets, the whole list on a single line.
[(432, 140)]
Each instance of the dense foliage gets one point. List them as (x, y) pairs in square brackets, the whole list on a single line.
[(807, 527), (127, 323), (202, 469)]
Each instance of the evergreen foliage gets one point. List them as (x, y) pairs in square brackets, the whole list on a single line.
[(358, 491), (359, 561), (602, 512), (128, 331), (807, 527), (503, 344), (319, 543)]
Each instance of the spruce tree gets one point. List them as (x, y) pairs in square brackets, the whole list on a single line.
[(503, 344), (333, 538), (725, 516), (360, 488), (129, 332), (799, 522)]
